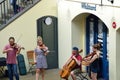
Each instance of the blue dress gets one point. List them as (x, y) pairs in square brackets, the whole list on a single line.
[(41, 61), (95, 66)]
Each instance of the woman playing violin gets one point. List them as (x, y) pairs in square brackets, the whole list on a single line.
[(11, 50), (75, 55), (93, 60), (41, 63)]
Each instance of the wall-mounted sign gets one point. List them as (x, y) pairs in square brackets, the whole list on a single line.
[(114, 24), (88, 6)]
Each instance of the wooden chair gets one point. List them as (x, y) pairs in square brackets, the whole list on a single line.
[(31, 59)]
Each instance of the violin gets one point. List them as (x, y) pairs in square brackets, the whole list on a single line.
[(16, 46), (85, 62), (44, 49)]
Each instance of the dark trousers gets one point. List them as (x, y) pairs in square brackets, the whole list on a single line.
[(15, 6), (12, 70)]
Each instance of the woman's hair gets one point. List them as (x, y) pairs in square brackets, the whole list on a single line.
[(39, 38), (97, 46)]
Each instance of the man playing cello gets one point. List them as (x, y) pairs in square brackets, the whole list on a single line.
[(77, 67)]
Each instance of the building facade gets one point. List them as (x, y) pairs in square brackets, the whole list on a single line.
[(82, 23)]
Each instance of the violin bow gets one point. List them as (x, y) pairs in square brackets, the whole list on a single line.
[(19, 38)]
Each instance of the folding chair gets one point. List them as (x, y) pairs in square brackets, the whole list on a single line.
[(82, 76), (31, 59)]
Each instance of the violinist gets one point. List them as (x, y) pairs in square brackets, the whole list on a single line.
[(41, 62), (93, 60), (11, 50), (75, 55)]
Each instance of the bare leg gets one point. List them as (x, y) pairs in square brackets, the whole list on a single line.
[(94, 76), (37, 74), (42, 70), (72, 75)]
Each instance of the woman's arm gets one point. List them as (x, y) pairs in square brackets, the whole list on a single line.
[(45, 49), (95, 57), (34, 57)]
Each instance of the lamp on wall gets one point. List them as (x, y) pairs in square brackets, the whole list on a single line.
[(112, 1)]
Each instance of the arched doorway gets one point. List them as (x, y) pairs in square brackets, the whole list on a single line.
[(96, 31), (87, 29)]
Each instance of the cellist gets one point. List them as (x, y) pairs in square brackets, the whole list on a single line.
[(75, 55)]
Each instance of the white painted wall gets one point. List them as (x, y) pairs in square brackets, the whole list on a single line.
[(78, 32), (64, 35)]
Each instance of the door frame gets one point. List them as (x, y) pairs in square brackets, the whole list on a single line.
[(40, 32), (95, 20)]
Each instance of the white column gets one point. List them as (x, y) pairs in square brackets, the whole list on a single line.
[(112, 54)]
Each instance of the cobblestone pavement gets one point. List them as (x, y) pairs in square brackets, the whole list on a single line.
[(51, 74)]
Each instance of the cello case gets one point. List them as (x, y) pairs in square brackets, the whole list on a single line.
[(21, 64)]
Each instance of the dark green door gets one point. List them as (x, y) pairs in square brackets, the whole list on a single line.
[(47, 28)]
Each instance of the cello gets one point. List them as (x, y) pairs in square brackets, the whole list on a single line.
[(65, 72)]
